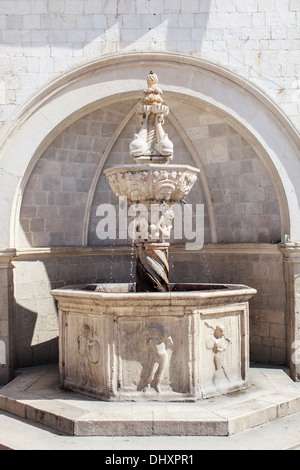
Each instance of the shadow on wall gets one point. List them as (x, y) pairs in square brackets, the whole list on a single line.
[(36, 313), (63, 34), (28, 354), (110, 26)]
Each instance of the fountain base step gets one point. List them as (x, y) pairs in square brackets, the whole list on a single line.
[(35, 394)]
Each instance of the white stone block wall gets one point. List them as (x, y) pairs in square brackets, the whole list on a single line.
[(257, 39)]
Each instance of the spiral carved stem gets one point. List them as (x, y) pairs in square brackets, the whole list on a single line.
[(151, 135), (152, 268)]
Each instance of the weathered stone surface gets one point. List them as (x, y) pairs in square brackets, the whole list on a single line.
[(152, 183), (189, 344)]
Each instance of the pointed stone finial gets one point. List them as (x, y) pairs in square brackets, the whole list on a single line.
[(152, 94), (152, 81)]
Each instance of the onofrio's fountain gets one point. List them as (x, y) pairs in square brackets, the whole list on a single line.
[(161, 341)]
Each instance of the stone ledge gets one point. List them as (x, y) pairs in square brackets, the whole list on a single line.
[(231, 248), (290, 251), (6, 256), (36, 395)]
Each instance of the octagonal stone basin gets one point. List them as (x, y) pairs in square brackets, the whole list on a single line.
[(189, 344)]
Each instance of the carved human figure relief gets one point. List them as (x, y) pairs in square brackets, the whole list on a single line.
[(155, 224), (89, 353), (159, 341), (219, 344), (161, 223)]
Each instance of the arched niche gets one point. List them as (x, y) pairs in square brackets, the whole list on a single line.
[(67, 185), (122, 77)]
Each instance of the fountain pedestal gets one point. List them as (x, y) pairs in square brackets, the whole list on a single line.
[(186, 345)]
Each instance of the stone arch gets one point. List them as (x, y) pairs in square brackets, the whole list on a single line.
[(121, 77)]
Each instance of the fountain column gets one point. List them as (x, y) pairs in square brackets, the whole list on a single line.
[(152, 145), (152, 185), (152, 267)]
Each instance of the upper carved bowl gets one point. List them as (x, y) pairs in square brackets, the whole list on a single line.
[(152, 183)]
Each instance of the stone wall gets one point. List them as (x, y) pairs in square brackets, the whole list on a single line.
[(54, 201), (258, 39)]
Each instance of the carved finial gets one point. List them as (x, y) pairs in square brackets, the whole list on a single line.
[(152, 143), (152, 81), (152, 94)]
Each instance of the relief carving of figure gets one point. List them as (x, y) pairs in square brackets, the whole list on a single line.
[(161, 225), (219, 344), (159, 341), (89, 352)]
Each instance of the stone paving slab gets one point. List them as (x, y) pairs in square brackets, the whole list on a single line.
[(35, 395)]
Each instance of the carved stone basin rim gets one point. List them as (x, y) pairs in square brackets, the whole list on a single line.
[(151, 167), (187, 294), (152, 182)]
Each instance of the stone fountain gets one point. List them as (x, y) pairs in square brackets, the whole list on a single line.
[(158, 341)]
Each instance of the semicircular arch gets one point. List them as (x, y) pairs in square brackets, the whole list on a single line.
[(121, 77)]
